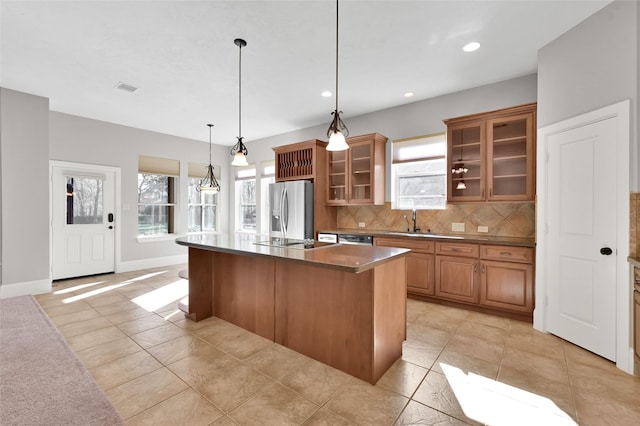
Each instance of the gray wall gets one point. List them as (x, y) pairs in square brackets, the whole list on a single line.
[(83, 140), (593, 65), (24, 141)]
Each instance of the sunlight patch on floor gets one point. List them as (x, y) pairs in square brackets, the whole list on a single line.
[(163, 296), (147, 276), (497, 404), (95, 292), (78, 287)]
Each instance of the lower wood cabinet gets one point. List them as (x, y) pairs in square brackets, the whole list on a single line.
[(489, 276)]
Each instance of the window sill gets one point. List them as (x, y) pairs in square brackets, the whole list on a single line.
[(157, 238)]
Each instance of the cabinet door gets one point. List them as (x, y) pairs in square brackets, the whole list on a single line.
[(636, 324), (456, 278), (361, 173), (507, 285), (337, 177), (420, 273), (510, 158), (466, 159)]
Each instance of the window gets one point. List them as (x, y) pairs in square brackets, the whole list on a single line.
[(268, 176), (203, 208), (84, 200), (418, 173), (156, 195), (246, 198)]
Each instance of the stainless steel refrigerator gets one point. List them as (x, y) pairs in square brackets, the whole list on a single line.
[(291, 205)]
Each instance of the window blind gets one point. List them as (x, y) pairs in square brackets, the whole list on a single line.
[(421, 148), (158, 166)]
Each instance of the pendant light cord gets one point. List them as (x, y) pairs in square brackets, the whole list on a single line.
[(240, 94), (337, 25)]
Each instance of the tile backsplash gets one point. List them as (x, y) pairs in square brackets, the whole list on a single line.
[(501, 219)]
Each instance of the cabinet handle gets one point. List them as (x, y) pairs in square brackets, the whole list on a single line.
[(475, 267), (505, 253), (483, 268), (455, 249)]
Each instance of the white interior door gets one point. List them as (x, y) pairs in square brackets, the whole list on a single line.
[(582, 244), (83, 222)]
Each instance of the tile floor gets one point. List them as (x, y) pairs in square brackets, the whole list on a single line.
[(458, 367)]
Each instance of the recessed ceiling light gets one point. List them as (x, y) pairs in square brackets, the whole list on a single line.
[(409, 95), (326, 94), (471, 47), (126, 87)]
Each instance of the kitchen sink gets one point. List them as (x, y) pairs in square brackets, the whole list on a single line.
[(424, 235)]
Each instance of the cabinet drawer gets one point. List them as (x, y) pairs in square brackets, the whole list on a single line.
[(415, 245), (507, 253), (458, 249)]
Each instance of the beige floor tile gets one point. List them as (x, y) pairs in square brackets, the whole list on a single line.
[(274, 405), (186, 408), (224, 421), (94, 338), (612, 384), (536, 342), (325, 417), (107, 298), (423, 355), (179, 348), (403, 377), (491, 320), (436, 392), (481, 348), (363, 404), (487, 333), (419, 414), (141, 324), (596, 409), (217, 331), (113, 308), (155, 336), (83, 327), (56, 308), (137, 395), (276, 361), (527, 363), (125, 369), (420, 334), (439, 321), (127, 315), (244, 345), (467, 363), (106, 352), (197, 370), (315, 380), (79, 316)]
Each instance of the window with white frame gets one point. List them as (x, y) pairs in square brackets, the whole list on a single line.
[(245, 186), (267, 176), (202, 206), (156, 195), (419, 173)]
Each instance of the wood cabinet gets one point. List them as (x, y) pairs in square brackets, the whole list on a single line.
[(507, 278), (356, 176), (457, 276), (491, 156), (307, 161), (636, 319), (420, 263)]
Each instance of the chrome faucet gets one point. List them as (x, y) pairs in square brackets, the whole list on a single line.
[(413, 217)]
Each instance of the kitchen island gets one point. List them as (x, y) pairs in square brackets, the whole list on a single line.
[(343, 305)]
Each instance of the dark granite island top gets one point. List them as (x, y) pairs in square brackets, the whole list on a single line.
[(343, 305)]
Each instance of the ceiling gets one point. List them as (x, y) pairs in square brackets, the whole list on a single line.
[(182, 58)]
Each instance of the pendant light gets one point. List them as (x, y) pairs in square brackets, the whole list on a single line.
[(209, 184), (239, 150), (337, 131)]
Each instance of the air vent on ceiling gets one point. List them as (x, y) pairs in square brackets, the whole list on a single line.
[(126, 87)]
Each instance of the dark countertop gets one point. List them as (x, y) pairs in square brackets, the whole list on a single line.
[(507, 241), (349, 258)]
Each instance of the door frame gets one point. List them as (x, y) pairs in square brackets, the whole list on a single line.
[(620, 112), (117, 205)]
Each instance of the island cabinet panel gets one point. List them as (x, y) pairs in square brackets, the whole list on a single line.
[(200, 289), (244, 292), (457, 278), (353, 322), (420, 263)]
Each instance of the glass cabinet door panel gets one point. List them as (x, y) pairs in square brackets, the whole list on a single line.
[(510, 157), (465, 158), (361, 172), (337, 176)]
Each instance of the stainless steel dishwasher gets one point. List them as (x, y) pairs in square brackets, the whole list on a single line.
[(359, 239)]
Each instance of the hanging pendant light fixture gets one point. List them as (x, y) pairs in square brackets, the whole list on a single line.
[(209, 184), (239, 150), (337, 131), (459, 169)]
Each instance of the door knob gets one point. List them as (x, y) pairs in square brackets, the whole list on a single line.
[(606, 251)]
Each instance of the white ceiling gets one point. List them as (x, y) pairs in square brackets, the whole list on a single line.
[(182, 57)]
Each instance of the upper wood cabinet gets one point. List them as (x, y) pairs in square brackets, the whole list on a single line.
[(356, 176), (491, 156)]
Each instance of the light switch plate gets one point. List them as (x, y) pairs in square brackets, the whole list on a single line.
[(458, 227), (483, 229), (361, 224)]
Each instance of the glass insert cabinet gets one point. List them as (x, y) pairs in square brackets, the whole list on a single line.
[(356, 176), (491, 156)]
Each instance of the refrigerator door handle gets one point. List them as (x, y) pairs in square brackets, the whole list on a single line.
[(285, 210)]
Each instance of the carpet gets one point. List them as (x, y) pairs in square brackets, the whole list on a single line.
[(42, 382)]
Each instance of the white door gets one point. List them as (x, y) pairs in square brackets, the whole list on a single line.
[(581, 236), (83, 221)]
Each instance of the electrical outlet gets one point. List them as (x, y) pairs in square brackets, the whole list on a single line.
[(458, 227), (483, 229), (361, 224)]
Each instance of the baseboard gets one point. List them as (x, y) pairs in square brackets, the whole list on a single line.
[(156, 262), (24, 288)]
